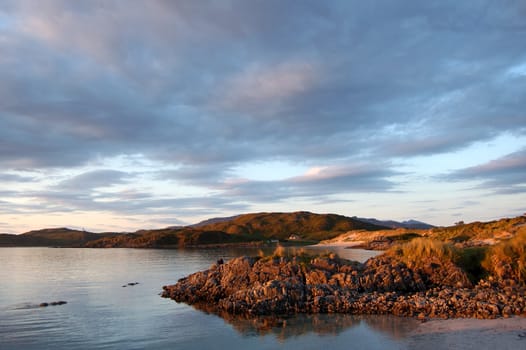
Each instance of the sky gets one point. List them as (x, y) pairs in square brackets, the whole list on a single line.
[(124, 115)]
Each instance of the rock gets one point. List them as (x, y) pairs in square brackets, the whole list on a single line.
[(130, 284), (53, 303), (383, 285)]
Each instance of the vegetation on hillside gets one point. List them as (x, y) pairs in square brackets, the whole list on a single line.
[(54, 237), (305, 225), (297, 227), (168, 238), (492, 231), (462, 235)]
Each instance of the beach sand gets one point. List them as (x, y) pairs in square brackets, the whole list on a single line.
[(503, 333), (338, 243)]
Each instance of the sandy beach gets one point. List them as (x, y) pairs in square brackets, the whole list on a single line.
[(339, 243), (502, 333)]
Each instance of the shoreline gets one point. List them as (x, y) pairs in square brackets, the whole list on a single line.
[(514, 323), (469, 333), (329, 284), (353, 244)]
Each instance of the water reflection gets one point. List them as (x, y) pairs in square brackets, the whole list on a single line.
[(138, 318), (284, 327)]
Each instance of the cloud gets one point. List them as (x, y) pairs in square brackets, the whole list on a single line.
[(128, 203), (6, 177), (317, 183), (94, 179), (331, 76), (196, 175), (257, 89), (207, 87), (506, 175)]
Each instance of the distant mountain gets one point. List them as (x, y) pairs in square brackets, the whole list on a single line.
[(410, 224), (303, 225)]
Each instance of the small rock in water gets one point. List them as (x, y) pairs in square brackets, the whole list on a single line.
[(130, 284), (53, 303)]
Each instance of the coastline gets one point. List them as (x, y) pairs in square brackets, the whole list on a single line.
[(329, 284)]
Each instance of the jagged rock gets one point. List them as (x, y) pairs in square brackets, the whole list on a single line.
[(382, 285)]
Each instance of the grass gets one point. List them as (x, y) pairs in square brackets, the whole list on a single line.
[(422, 249), (479, 230), (505, 260), (508, 259), (300, 255)]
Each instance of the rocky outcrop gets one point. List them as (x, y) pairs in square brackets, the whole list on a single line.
[(382, 285)]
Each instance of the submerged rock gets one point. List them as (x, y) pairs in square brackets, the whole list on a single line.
[(131, 284), (382, 285), (53, 303)]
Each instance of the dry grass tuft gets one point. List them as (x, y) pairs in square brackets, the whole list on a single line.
[(422, 249), (507, 260)]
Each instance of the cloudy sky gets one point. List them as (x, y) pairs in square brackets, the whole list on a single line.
[(120, 115)]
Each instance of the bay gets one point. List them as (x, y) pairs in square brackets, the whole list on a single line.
[(104, 312)]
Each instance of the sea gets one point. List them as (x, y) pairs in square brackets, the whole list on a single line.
[(113, 302)]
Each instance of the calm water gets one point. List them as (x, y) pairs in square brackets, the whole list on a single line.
[(101, 314)]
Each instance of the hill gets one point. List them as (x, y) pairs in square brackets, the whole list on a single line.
[(461, 235), (239, 229), (168, 238), (258, 227), (51, 237), (299, 225), (480, 233)]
